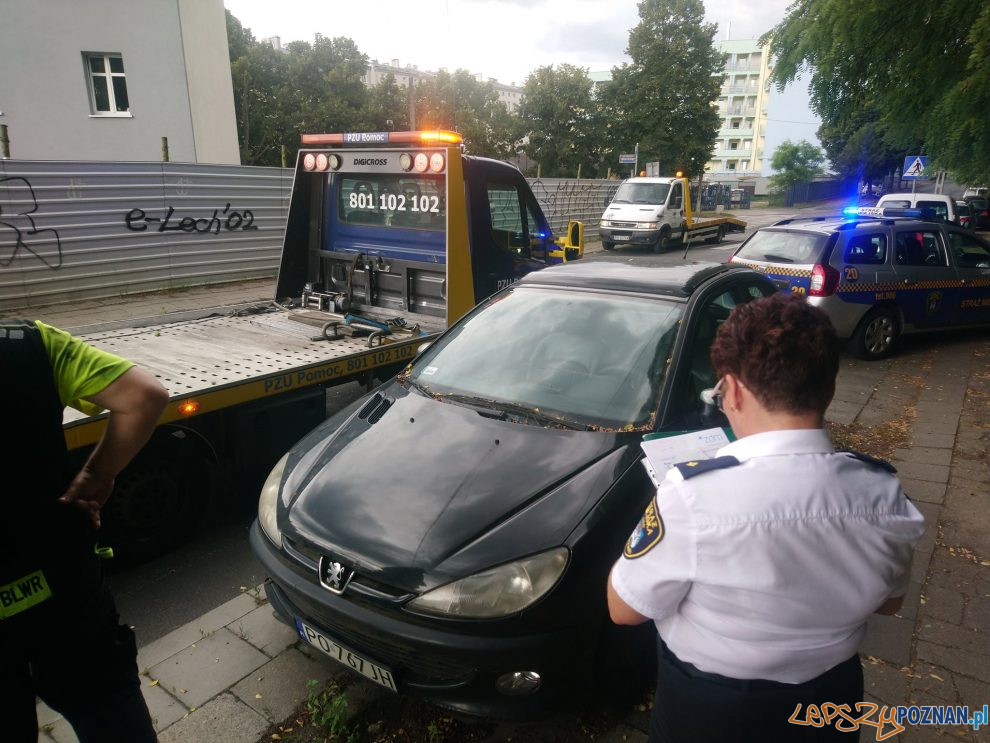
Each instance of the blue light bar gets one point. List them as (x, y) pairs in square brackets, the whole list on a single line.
[(885, 211)]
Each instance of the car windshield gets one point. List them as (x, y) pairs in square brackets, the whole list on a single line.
[(641, 193), (556, 357), (783, 246)]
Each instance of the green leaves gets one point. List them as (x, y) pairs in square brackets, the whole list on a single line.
[(921, 69), (795, 163)]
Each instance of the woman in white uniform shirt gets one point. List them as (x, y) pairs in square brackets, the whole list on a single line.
[(760, 567)]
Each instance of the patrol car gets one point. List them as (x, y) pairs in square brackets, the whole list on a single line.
[(450, 534), (879, 273)]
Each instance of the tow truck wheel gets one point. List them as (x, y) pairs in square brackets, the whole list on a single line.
[(875, 335), (156, 504), (717, 237), (663, 242), (608, 246)]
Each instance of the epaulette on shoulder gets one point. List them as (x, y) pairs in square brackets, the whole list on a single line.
[(699, 466), (881, 463)]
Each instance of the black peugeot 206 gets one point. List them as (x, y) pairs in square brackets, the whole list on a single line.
[(450, 534)]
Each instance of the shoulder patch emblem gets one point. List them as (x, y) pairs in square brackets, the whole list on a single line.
[(694, 468), (881, 463), (647, 533)]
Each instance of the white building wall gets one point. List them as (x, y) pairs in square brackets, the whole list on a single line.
[(44, 83)]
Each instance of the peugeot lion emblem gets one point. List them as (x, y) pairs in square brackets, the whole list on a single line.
[(334, 576)]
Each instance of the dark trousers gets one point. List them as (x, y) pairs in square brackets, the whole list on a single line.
[(692, 706), (72, 651)]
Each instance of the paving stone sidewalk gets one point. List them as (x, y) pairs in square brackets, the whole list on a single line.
[(226, 676)]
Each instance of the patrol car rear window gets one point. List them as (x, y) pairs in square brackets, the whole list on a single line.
[(866, 249), (393, 200), (783, 246)]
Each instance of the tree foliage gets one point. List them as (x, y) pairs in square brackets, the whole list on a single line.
[(459, 102), (557, 121), (923, 68), (795, 163), (666, 96)]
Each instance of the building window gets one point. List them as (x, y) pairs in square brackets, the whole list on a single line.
[(107, 86)]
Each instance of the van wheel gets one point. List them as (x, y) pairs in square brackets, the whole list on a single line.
[(663, 242), (608, 246), (875, 335)]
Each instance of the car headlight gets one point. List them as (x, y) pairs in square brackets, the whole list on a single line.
[(268, 503), (497, 592), (605, 223)]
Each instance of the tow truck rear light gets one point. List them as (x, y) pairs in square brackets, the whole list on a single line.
[(188, 407), (322, 162), (421, 162), (824, 280), (309, 161)]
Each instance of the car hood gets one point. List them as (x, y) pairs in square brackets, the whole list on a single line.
[(430, 489)]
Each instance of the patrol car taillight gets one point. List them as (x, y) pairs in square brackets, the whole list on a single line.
[(824, 280)]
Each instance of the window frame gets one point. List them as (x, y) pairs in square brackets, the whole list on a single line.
[(109, 75)]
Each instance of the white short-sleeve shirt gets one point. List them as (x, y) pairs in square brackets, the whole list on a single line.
[(768, 569)]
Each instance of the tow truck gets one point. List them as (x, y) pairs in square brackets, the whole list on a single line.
[(657, 212), (390, 237)]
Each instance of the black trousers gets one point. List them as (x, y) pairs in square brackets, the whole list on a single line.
[(72, 651), (692, 706)]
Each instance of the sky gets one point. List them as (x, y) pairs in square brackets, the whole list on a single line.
[(508, 39)]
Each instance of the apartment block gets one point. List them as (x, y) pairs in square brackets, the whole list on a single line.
[(742, 107)]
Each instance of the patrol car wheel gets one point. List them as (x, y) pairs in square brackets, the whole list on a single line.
[(663, 242), (876, 335)]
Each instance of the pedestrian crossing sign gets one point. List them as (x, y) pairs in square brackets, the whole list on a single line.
[(915, 167)]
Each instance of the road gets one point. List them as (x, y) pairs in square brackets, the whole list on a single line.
[(163, 594)]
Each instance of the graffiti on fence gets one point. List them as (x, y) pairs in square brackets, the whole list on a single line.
[(564, 199), (18, 231), (137, 220)]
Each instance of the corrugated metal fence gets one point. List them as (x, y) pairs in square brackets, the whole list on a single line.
[(86, 230)]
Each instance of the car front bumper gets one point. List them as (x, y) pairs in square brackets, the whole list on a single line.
[(451, 663)]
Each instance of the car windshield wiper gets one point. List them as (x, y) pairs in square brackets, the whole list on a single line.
[(481, 405), (526, 411), (419, 386)]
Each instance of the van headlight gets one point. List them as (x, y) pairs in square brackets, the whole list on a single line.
[(497, 592), (649, 225), (268, 503), (605, 223)]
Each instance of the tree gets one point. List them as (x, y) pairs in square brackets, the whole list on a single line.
[(556, 120), (461, 103), (926, 72), (665, 97), (795, 163)]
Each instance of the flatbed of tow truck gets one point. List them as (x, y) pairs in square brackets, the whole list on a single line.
[(212, 362)]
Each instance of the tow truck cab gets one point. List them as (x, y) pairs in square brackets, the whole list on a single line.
[(405, 223)]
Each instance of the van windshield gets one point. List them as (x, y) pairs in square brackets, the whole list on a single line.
[(642, 193)]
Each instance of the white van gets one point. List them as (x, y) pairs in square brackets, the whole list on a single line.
[(943, 206)]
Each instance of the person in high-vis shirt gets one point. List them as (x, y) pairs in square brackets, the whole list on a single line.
[(760, 566), (60, 634)]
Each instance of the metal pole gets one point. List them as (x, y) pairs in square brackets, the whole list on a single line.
[(164, 149), (412, 106), (636, 167), (285, 157), (4, 143)]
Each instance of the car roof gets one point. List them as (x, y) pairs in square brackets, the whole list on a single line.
[(831, 224), (669, 281)]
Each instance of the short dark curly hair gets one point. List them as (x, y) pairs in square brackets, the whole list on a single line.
[(784, 351)]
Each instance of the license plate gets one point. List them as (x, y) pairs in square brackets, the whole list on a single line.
[(620, 238), (368, 669), (783, 284)]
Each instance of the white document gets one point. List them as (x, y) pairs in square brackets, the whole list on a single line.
[(663, 453)]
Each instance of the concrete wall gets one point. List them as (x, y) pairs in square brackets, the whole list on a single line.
[(44, 94)]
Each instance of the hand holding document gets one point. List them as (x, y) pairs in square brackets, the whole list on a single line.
[(663, 451)]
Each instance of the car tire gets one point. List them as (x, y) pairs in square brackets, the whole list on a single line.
[(662, 243), (608, 246), (876, 335)]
